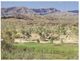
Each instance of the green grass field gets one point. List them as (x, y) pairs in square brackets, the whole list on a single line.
[(41, 51)]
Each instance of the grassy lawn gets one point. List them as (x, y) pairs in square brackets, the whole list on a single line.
[(41, 51)]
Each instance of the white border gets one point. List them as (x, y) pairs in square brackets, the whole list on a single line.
[(39, 0), (44, 0)]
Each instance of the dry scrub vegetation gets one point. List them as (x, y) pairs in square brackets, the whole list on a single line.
[(53, 29)]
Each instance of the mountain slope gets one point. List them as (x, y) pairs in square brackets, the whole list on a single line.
[(74, 11), (23, 10)]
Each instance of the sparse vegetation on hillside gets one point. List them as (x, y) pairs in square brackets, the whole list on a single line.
[(23, 35)]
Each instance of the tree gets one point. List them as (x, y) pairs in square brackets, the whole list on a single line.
[(7, 41)]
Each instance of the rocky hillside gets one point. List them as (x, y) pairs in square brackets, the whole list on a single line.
[(74, 11), (39, 25), (23, 10), (49, 14)]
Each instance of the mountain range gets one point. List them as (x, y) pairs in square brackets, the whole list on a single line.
[(74, 11), (22, 11)]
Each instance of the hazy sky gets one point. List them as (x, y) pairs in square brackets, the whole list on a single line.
[(68, 5)]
